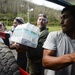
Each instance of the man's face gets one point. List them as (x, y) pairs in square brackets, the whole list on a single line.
[(2, 28), (41, 22), (67, 22), (15, 23)]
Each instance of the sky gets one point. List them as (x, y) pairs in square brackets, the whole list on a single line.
[(47, 4)]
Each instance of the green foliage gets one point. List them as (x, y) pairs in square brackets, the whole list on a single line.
[(13, 9), (7, 18), (7, 15), (7, 22), (53, 21)]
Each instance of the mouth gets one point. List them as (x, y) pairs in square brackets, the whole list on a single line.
[(63, 26)]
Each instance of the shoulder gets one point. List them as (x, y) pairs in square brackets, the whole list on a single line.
[(45, 32), (56, 33)]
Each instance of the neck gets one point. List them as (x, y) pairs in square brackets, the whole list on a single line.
[(71, 35), (41, 29)]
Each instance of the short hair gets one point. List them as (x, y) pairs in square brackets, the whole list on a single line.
[(43, 15), (70, 8), (20, 20)]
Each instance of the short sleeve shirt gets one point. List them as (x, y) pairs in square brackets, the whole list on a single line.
[(64, 45)]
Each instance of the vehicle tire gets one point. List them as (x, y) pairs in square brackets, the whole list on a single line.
[(8, 65)]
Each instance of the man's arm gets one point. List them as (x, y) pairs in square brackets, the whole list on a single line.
[(51, 62), (17, 46)]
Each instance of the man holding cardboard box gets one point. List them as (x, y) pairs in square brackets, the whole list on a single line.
[(35, 54)]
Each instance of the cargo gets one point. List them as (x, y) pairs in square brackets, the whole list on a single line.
[(26, 34)]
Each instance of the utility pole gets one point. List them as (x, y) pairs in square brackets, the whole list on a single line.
[(28, 13)]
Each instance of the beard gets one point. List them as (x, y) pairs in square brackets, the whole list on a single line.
[(41, 27)]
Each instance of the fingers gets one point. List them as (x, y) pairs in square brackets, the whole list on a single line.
[(17, 46), (20, 46)]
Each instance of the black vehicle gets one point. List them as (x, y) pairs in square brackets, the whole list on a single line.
[(64, 3)]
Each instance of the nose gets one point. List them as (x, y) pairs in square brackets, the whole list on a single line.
[(14, 25), (62, 21)]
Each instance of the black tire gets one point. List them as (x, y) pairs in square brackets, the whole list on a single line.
[(8, 65)]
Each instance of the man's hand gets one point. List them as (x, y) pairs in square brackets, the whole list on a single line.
[(20, 46)]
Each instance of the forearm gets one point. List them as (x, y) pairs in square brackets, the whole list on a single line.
[(56, 63), (23, 47)]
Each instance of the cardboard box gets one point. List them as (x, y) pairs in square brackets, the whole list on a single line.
[(26, 34)]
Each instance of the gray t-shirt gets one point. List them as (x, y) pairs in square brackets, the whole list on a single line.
[(64, 45)]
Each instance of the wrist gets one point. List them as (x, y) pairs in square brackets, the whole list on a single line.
[(71, 58)]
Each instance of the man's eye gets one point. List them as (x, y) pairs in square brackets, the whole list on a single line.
[(66, 16), (40, 19)]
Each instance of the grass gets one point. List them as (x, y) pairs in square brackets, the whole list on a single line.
[(51, 28), (54, 28), (8, 27)]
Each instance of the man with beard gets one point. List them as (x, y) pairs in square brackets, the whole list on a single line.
[(59, 47), (35, 54)]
